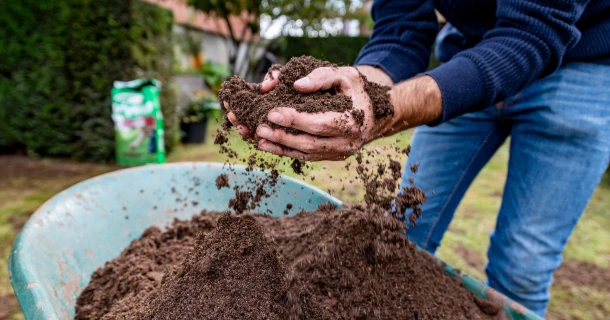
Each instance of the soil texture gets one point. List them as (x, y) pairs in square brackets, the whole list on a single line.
[(251, 107), (353, 263)]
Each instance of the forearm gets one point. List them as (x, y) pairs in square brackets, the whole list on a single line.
[(416, 102)]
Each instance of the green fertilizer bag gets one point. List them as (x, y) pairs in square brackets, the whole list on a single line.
[(138, 122)]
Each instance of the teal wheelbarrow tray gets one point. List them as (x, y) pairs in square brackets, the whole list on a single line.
[(90, 223)]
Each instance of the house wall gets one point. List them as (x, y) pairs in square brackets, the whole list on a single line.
[(214, 47)]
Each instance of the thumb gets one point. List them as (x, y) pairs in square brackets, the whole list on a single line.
[(271, 81), (320, 79)]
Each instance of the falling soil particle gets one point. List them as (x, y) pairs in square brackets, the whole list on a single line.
[(297, 166), (241, 200), (414, 167), (222, 181), (343, 264)]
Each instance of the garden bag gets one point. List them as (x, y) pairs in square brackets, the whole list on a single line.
[(138, 122)]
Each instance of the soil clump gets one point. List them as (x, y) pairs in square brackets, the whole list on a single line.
[(251, 107), (326, 264)]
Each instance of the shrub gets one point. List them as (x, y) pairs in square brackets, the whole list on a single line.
[(341, 50), (58, 62), (337, 49)]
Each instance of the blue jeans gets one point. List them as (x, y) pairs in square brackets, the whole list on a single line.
[(559, 149)]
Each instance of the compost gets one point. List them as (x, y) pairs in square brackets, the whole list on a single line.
[(352, 263), (241, 95)]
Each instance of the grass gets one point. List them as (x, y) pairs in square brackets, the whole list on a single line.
[(464, 245)]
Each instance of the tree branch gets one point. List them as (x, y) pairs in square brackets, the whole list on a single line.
[(230, 27)]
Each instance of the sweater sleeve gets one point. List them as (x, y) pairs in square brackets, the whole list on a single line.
[(402, 37), (528, 41)]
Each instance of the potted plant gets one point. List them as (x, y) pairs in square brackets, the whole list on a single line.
[(193, 46), (195, 116)]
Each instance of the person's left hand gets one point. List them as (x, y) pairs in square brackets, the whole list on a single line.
[(328, 135)]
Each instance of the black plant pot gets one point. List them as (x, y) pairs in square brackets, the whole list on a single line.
[(194, 131)]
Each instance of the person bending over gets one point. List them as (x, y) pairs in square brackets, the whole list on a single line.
[(537, 71)]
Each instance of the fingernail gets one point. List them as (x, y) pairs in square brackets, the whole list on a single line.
[(267, 147), (303, 82), (276, 117), (264, 132)]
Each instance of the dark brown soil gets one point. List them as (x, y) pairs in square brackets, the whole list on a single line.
[(232, 273), (222, 181), (138, 271), (380, 101), (342, 264), (251, 107)]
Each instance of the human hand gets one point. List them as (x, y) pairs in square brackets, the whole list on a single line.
[(269, 83), (328, 135)]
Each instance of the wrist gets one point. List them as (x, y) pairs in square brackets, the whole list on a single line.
[(376, 75), (416, 102)]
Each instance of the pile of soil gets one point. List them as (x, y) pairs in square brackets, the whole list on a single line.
[(353, 263)]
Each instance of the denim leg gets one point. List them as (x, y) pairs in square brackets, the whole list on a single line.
[(560, 147), (451, 155)]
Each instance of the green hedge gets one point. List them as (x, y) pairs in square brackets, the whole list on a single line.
[(338, 49), (58, 61), (341, 50)]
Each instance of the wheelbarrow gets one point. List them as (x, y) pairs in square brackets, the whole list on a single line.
[(90, 223)]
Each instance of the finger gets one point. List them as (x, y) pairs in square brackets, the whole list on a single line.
[(268, 146), (306, 143), (226, 105), (324, 124), (276, 149), (232, 118), (270, 81), (243, 131), (321, 79)]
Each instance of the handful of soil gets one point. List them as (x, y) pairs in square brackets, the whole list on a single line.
[(353, 263), (251, 107)]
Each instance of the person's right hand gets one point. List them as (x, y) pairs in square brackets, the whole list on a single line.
[(268, 84)]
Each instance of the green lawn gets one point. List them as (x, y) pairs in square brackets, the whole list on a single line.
[(574, 297)]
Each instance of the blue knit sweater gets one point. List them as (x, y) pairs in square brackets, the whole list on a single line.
[(493, 48)]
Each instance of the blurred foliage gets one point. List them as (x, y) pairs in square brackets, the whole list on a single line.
[(307, 15), (338, 49), (204, 105), (214, 74), (58, 61), (342, 50), (191, 42)]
